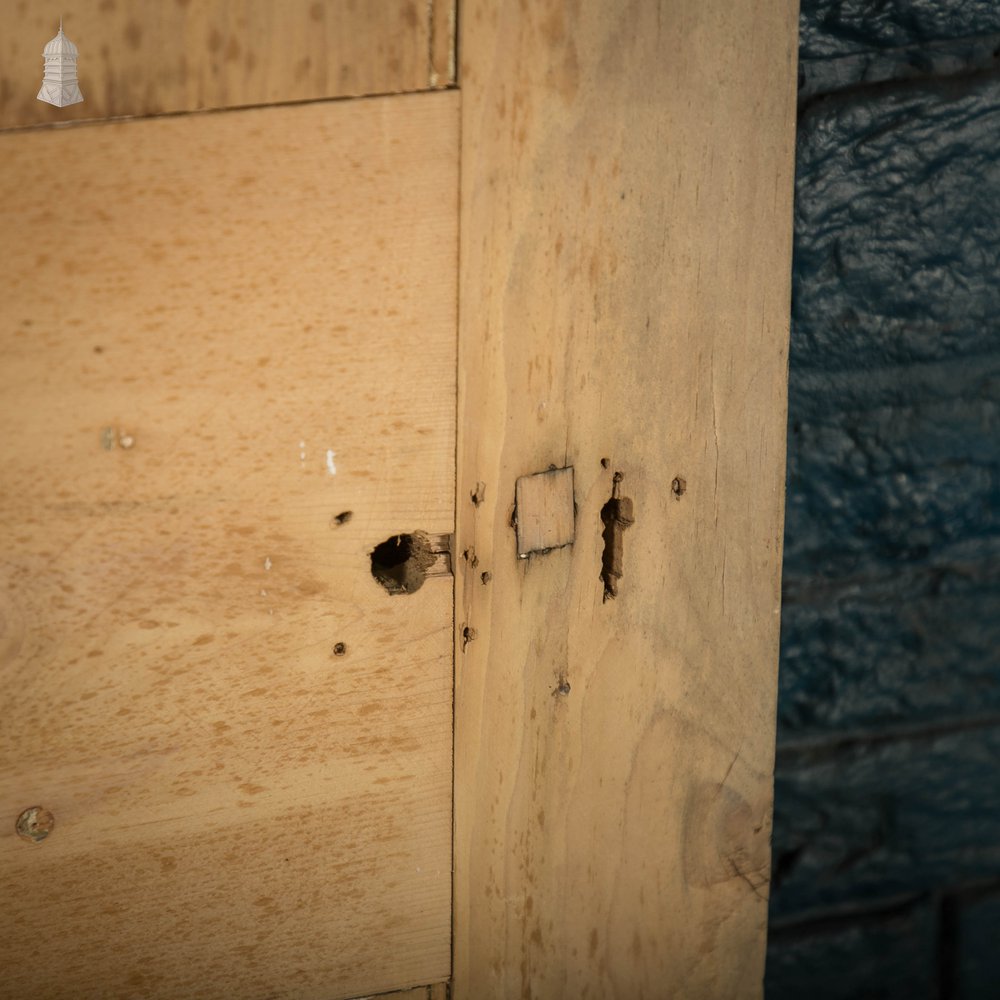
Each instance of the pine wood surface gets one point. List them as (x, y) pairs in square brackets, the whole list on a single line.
[(624, 299), (219, 336), (141, 58)]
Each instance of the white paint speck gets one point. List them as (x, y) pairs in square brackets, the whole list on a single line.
[(267, 562), (331, 466), (263, 593)]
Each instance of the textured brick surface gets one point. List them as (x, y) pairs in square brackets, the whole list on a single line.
[(950, 57), (837, 27), (878, 957), (887, 804), (896, 247), (919, 646), (862, 822), (894, 385), (913, 484)]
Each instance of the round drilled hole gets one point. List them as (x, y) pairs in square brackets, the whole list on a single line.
[(400, 563)]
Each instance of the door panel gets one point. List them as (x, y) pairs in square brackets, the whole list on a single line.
[(228, 374), (142, 58)]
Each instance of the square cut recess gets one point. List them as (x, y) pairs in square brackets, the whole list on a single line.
[(545, 517)]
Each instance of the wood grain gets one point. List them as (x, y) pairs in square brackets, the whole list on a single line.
[(624, 289), (228, 373), (139, 58)]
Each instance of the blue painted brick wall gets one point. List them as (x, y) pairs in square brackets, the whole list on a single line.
[(843, 27), (891, 956), (973, 933), (887, 791)]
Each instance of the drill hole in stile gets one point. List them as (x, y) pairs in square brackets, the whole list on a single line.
[(400, 563)]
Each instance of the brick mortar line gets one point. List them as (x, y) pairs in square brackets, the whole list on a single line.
[(980, 570), (934, 44), (827, 746), (952, 895)]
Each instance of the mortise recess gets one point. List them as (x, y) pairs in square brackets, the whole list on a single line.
[(544, 511), (616, 516)]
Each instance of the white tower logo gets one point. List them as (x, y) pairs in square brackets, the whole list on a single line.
[(59, 86)]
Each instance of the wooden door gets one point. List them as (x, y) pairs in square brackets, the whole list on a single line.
[(291, 356)]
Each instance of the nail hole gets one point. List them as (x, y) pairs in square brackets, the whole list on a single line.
[(35, 824), (486, 577), (400, 563), (605, 463), (479, 494), (678, 487), (339, 649), (562, 687), (343, 517), (468, 634)]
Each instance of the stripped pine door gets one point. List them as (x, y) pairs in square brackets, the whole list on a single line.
[(391, 498)]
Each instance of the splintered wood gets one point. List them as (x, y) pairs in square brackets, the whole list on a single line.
[(228, 374)]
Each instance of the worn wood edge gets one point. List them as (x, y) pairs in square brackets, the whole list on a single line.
[(442, 42), (435, 991), (478, 955)]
